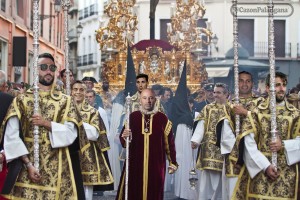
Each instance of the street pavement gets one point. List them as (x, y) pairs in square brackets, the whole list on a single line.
[(112, 196)]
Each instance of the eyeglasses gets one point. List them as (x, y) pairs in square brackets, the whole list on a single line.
[(51, 67)]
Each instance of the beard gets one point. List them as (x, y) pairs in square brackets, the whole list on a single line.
[(44, 82), (279, 98)]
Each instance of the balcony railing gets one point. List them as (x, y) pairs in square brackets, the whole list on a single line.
[(288, 50), (261, 50), (88, 11), (88, 59)]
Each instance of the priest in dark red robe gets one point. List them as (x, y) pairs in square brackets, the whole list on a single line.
[(151, 143)]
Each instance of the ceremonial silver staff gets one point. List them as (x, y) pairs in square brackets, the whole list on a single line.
[(236, 64), (66, 5), (36, 29), (272, 78), (128, 111)]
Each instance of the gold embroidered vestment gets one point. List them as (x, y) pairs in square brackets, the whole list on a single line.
[(55, 163), (95, 169)]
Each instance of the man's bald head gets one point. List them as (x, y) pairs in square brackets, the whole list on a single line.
[(148, 99), (148, 90)]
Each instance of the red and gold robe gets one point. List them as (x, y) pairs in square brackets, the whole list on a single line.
[(147, 156)]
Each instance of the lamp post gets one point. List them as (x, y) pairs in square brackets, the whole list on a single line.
[(57, 7), (215, 40), (79, 29)]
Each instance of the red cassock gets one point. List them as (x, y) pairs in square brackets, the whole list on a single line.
[(2, 178), (152, 143)]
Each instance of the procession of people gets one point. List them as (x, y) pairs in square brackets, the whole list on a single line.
[(75, 131)]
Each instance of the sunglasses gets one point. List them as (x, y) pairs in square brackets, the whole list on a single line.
[(44, 67)]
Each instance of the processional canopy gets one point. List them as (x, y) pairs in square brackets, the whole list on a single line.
[(162, 62)]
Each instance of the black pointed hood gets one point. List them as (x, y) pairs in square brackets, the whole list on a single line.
[(130, 86), (181, 113)]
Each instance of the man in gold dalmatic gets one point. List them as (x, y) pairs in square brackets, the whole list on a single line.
[(94, 165), (58, 122), (234, 160), (263, 180), (207, 136)]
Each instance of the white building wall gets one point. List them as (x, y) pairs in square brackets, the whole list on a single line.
[(87, 43), (218, 12), (143, 32)]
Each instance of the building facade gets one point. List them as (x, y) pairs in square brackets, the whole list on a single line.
[(252, 27), (89, 55), (16, 21), (73, 36)]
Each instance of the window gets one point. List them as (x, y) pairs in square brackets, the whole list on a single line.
[(57, 33), (3, 5), (31, 17), (90, 44), (20, 8), (246, 34), (163, 29), (3, 55), (202, 23), (42, 21), (279, 37)]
